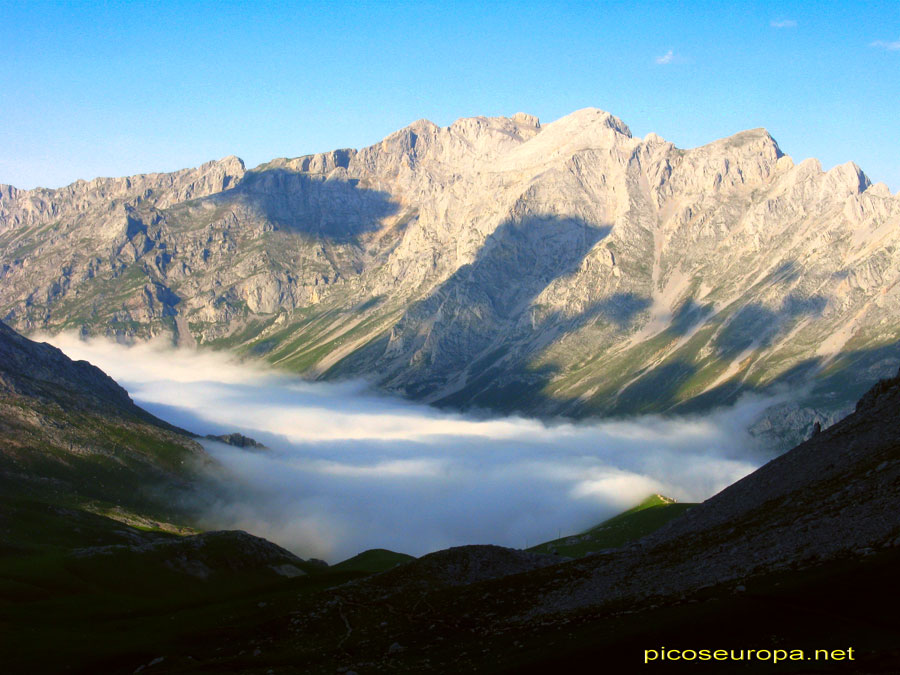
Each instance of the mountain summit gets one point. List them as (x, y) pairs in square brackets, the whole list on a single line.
[(498, 262)]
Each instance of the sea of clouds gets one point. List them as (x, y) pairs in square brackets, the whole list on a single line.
[(350, 469)]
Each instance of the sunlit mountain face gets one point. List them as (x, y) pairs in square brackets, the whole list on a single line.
[(497, 264)]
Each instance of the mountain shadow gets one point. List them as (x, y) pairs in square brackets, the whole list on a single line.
[(759, 326), (481, 306), (473, 342), (661, 388), (823, 387), (331, 208)]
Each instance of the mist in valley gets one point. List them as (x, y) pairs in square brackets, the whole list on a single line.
[(350, 469)]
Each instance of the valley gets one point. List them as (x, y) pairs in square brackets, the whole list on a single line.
[(400, 409), (812, 533)]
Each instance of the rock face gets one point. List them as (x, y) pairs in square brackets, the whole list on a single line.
[(237, 440), (560, 268)]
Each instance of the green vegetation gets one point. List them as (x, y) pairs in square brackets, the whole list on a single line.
[(112, 464), (372, 561), (312, 344), (636, 522)]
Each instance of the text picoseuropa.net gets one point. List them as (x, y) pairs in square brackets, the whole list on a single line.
[(773, 655)]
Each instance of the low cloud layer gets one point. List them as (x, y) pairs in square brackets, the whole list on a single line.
[(350, 469)]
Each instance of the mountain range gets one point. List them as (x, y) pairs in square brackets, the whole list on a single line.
[(560, 269)]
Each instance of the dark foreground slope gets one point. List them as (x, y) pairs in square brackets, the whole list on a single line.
[(93, 509), (71, 436), (800, 555)]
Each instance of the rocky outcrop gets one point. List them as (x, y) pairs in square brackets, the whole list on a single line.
[(237, 440), (206, 556), (883, 389), (462, 565), (497, 262), (39, 206)]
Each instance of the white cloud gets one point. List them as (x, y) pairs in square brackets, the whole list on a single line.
[(399, 467), (889, 46), (668, 57), (350, 469), (784, 23)]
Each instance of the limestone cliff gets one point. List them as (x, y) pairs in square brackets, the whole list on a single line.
[(498, 262)]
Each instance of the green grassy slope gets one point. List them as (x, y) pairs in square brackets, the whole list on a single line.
[(372, 561), (649, 515)]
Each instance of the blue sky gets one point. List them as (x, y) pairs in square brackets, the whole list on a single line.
[(117, 88)]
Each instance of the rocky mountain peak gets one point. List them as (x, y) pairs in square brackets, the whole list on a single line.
[(847, 179), (753, 144), (653, 139), (590, 117), (232, 164), (880, 190), (586, 270), (526, 120), (586, 129)]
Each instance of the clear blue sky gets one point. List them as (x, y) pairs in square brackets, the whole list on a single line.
[(117, 88)]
